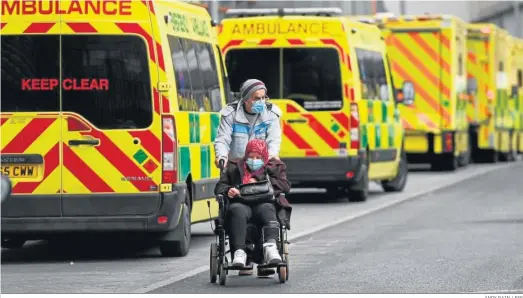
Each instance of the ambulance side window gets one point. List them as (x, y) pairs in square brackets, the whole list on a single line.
[(520, 78), (30, 73), (198, 89), (225, 79), (209, 70), (181, 73), (367, 70), (380, 76)]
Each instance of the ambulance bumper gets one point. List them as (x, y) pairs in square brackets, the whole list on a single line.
[(164, 218), (319, 171)]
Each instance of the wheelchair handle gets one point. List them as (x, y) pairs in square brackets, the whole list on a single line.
[(221, 164), (219, 198)]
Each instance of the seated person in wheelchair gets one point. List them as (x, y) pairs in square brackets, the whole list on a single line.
[(255, 166)]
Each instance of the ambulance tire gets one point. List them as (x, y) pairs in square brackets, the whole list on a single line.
[(399, 182), (466, 157), (14, 243), (445, 162), (489, 156), (511, 155), (360, 192), (179, 248)]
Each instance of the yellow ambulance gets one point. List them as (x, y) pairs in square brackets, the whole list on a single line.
[(488, 65), (429, 51), (330, 77), (516, 89), (108, 115)]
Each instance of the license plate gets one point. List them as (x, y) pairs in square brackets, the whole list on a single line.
[(20, 171)]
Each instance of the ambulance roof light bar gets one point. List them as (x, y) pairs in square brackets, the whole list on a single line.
[(366, 20), (312, 11), (384, 17)]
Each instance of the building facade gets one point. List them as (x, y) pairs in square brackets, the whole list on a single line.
[(348, 7), (505, 14)]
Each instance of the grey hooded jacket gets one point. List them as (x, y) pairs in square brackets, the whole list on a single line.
[(235, 131)]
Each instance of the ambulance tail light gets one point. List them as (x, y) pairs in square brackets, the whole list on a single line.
[(490, 96), (354, 127), (448, 141), (169, 156), (485, 30)]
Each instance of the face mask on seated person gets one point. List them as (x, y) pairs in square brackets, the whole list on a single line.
[(254, 164)]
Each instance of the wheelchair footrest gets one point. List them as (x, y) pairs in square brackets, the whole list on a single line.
[(265, 266), (231, 267)]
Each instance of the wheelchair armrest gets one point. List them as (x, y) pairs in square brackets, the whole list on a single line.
[(219, 198)]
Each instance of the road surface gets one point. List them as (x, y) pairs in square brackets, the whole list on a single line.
[(401, 242), (466, 238)]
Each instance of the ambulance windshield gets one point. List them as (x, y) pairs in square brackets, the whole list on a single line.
[(309, 76)]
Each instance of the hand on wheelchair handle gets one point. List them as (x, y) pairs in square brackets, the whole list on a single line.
[(221, 163)]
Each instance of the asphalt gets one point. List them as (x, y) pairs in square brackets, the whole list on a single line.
[(362, 246), (466, 238)]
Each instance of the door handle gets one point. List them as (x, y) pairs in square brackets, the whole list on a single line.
[(92, 142), (297, 121)]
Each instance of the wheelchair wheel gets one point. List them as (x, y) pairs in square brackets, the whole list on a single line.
[(286, 258), (223, 275), (282, 274), (213, 262)]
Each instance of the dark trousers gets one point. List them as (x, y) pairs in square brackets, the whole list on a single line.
[(239, 215)]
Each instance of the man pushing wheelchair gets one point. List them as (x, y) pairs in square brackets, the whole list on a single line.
[(248, 144)]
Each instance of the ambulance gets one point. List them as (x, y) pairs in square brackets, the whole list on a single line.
[(493, 110), (430, 52), (108, 115), (330, 76)]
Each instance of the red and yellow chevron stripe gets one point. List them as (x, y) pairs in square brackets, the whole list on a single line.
[(414, 59), (111, 166), (101, 170)]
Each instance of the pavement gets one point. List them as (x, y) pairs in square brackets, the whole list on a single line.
[(433, 237)]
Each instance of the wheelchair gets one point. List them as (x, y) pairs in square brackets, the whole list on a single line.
[(219, 263)]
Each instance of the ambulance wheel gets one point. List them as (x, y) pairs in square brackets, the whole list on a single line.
[(14, 243), (490, 156), (360, 191), (399, 182), (511, 155), (445, 162), (465, 158), (179, 248)]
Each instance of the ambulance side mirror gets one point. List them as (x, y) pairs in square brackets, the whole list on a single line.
[(406, 94), (472, 86)]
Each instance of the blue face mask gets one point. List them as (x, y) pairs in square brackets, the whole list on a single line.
[(258, 106), (254, 164)]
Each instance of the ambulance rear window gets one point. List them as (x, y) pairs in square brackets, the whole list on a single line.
[(309, 76), (118, 94), (25, 58), (103, 78), (261, 64)]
